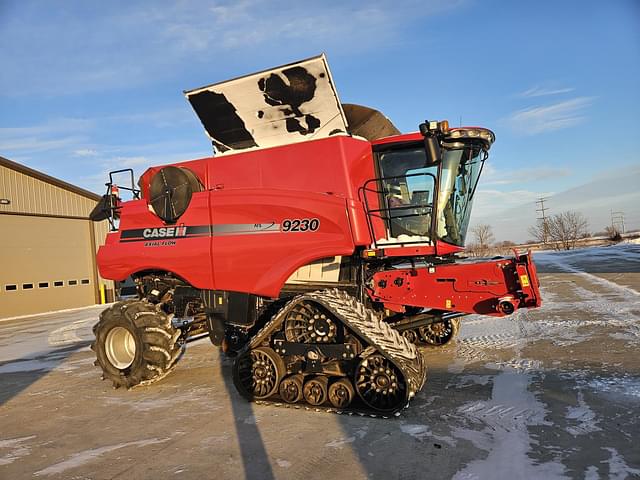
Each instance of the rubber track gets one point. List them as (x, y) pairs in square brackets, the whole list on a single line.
[(372, 331)]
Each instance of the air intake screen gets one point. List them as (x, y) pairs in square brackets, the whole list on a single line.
[(171, 190)]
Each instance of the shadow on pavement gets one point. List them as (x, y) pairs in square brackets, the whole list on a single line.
[(419, 443), (255, 459), (18, 374)]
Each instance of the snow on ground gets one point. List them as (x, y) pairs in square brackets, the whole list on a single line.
[(546, 393), (506, 417), (81, 458), (576, 309), (622, 257)]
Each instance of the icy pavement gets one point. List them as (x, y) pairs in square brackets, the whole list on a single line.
[(548, 393)]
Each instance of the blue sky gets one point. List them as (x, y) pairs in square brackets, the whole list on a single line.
[(87, 87)]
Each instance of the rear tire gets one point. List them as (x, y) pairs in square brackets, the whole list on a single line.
[(135, 344)]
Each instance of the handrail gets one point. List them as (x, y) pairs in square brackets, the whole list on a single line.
[(113, 205), (386, 213)]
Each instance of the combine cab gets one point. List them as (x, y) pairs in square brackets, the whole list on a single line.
[(318, 247)]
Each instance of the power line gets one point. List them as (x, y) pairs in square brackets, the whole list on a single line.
[(617, 221), (543, 218)]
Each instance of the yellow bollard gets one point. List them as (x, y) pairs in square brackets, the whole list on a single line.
[(102, 294)]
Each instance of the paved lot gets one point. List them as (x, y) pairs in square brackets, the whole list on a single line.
[(551, 393)]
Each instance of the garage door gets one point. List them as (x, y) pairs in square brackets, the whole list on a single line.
[(45, 264)]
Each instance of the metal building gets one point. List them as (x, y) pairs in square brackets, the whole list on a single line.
[(47, 243)]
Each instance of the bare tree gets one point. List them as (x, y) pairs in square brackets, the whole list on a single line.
[(540, 231), (563, 230), (483, 237), (483, 234), (613, 233), (504, 248)]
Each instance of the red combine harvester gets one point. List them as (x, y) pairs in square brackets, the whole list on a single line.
[(318, 247)]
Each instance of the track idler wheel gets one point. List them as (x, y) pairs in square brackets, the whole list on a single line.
[(291, 389), (379, 383), (440, 333), (257, 373), (341, 393), (315, 390)]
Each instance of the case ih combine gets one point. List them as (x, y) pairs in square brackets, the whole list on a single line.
[(317, 246)]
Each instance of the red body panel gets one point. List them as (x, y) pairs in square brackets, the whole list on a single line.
[(261, 263), (311, 180), (190, 258)]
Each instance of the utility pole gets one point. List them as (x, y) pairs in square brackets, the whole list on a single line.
[(617, 221), (543, 218)]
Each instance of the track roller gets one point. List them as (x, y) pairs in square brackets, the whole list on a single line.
[(341, 393), (291, 388), (315, 390), (411, 335)]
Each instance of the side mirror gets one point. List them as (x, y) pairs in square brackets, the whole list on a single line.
[(432, 147), (106, 208), (430, 131)]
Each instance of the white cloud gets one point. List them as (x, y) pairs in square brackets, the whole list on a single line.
[(511, 213), (494, 176), (534, 120), (543, 92), (55, 126), (129, 162), (72, 136), (85, 152), (252, 23), (144, 42), (55, 134), (95, 181), (489, 202), (168, 117), (36, 144)]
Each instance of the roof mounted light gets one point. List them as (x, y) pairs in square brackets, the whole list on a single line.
[(466, 133), (434, 127)]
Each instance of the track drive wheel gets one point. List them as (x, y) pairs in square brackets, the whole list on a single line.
[(440, 333), (135, 344), (309, 323), (257, 373), (379, 383)]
